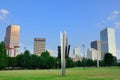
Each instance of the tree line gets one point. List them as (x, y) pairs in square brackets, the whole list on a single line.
[(27, 60)]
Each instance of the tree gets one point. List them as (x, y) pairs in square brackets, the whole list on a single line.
[(24, 60), (69, 62), (45, 54), (77, 63), (115, 61), (118, 64), (3, 56), (109, 59), (27, 59), (84, 63), (20, 60), (58, 63), (102, 63), (12, 62), (46, 61), (51, 62), (89, 62), (34, 61)]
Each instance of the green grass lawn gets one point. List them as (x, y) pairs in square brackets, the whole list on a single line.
[(106, 73)]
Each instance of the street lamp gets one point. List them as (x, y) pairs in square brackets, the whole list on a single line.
[(84, 56), (97, 58)]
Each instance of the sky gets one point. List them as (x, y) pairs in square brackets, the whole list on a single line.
[(81, 19)]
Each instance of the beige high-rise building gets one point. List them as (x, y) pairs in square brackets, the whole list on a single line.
[(92, 54), (97, 45), (39, 46), (11, 40)]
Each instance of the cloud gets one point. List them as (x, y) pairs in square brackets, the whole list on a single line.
[(100, 24), (117, 25), (112, 19), (4, 11), (3, 14), (113, 15)]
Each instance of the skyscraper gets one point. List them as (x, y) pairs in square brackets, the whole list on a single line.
[(39, 46), (97, 45), (108, 43), (11, 40)]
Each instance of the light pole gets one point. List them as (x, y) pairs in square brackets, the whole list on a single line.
[(84, 56), (97, 58)]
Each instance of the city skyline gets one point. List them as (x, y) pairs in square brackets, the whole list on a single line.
[(82, 20)]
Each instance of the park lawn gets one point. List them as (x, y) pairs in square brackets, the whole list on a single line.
[(104, 73)]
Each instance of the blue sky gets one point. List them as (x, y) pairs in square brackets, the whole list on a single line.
[(81, 19)]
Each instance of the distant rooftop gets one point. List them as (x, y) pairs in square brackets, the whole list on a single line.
[(39, 39)]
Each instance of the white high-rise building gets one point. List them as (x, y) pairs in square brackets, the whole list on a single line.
[(108, 42), (76, 54), (76, 51), (92, 54)]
